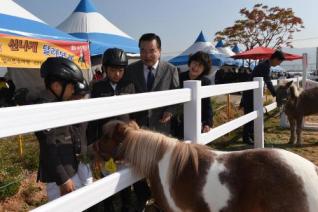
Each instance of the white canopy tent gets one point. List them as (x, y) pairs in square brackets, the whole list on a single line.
[(201, 44), (17, 21), (86, 23), (224, 50)]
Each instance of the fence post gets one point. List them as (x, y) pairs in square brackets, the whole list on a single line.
[(228, 99), (305, 69), (192, 112), (259, 121), (297, 81), (283, 118)]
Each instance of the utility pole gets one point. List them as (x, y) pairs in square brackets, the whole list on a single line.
[(316, 71)]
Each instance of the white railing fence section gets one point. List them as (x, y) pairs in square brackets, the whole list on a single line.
[(259, 121), (24, 119)]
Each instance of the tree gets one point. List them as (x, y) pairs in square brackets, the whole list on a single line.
[(263, 26)]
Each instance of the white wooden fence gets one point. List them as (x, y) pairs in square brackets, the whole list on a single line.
[(24, 119)]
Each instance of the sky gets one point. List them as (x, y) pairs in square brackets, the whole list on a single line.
[(178, 23)]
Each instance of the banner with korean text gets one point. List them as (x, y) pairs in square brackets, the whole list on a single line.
[(24, 52)]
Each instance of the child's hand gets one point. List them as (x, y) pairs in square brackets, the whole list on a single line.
[(205, 128), (67, 187)]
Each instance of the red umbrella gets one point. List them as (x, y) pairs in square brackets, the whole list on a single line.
[(261, 53)]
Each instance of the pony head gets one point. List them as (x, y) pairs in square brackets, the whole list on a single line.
[(114, 132), (283, 93)]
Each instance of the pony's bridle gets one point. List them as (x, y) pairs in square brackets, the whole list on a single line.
[(97, 148), (284, 101)]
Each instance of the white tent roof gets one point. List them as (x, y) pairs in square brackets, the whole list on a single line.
[(201, 44), (86, 23), (9, 7), (224, 50), (15, 20), (85, 18)]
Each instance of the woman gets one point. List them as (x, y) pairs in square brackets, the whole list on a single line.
[(199, 67)]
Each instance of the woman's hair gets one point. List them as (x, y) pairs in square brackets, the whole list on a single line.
[(202, 58)]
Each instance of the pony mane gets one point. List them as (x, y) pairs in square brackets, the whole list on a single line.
[(108, 128), (186, 155), (295, 91), (143, 149)]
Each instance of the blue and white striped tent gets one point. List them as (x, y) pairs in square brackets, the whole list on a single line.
[(19, 22), (86, 23), (224, 49), (236, 49), (201, 44), (15, 20)]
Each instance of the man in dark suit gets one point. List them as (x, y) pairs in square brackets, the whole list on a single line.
[(261, 70), (152, 74)]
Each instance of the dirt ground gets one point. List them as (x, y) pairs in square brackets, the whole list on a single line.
[(29, 196)]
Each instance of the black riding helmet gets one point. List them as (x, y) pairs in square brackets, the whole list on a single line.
[(65, 71), (7, 90), (115, 57)]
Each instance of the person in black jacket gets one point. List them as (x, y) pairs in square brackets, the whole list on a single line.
[(114, 63), (261, 70), (7, 90), (199, 67), (59, 147), (151, 74)]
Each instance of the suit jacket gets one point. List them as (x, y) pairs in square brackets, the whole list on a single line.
[(166, 78)]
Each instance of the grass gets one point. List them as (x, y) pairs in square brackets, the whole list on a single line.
[(275, 137), (13, 167)]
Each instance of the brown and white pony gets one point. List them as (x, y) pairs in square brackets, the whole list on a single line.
[(297, 104), (193, 177)]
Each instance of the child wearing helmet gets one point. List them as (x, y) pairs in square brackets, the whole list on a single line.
[(7, 90), (59, 166), (114, 63)]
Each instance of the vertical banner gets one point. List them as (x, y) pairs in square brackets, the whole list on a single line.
[(23, 52)]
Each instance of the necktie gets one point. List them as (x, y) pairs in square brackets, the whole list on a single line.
[(150, 79)]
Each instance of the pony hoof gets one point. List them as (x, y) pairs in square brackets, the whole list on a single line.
[(298, 145), (291, 142)]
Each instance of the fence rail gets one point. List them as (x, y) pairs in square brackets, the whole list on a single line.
[(17, 120), (227, 127), (30, 118)]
